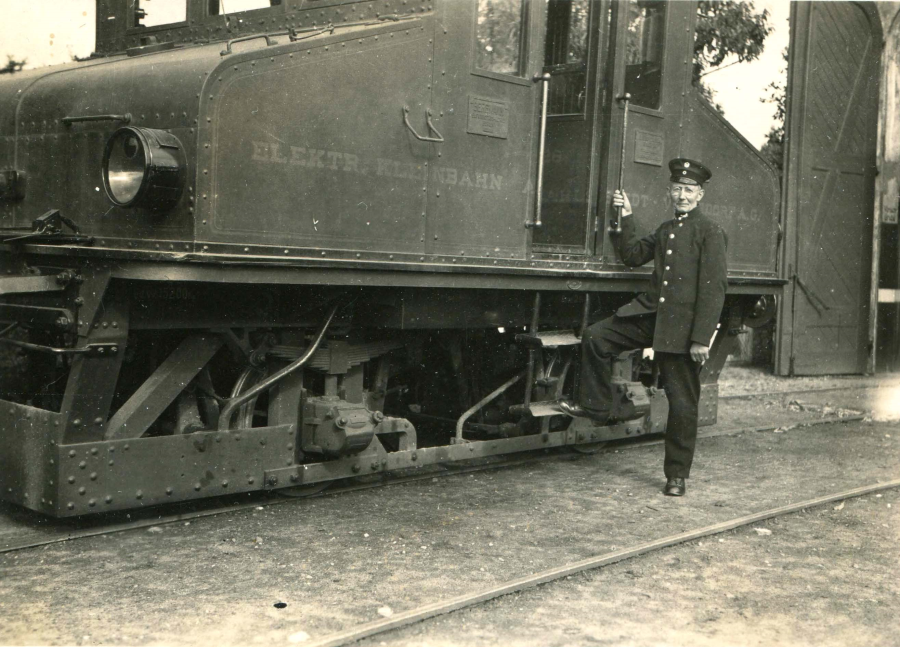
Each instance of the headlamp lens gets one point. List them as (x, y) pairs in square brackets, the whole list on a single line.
[(126, 167)]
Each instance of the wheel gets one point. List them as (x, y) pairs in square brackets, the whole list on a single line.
[(589, 448), (303, 491)]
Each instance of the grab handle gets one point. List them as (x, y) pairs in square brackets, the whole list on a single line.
[(544, 79), (270, 40), (438, 140)]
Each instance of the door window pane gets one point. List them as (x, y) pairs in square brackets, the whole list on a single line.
[(499, 34), (567, 23), (566, 55), (151, 13), (644, 51)]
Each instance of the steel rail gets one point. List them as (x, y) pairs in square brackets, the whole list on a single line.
[(451, 470), (139, 524), (605, 559), (769, 394)]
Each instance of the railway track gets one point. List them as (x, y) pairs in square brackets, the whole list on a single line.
[(22, 530), (419, 614), (773, 394), (70, 530)]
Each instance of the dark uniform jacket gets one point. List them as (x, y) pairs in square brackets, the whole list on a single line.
[(687, 288)]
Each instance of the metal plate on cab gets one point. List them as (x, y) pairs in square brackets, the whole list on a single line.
[(648, 148), (488, 117)]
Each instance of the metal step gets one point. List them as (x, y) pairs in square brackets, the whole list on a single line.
[(549, 338), (544, 409)]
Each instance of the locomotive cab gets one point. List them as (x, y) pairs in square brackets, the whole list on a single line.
[(253, 245)]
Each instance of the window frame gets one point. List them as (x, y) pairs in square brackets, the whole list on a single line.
[(664, 63), (133, 28), (583, 66), (524, 39)]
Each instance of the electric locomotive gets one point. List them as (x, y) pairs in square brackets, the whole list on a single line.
[(260, 247)]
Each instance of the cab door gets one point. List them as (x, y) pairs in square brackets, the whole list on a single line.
[(576, 33), (486, 111)]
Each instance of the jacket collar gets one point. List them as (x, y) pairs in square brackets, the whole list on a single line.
[(680, 217)]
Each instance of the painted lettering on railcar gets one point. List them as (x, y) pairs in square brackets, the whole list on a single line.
[(737, 214), (340, 161)]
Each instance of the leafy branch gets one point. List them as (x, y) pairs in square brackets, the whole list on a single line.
[(12, 65), (726, 28)]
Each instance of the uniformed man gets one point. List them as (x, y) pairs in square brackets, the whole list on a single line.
[(677, 316)]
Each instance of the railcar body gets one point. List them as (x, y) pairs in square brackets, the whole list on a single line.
[(324, 238)]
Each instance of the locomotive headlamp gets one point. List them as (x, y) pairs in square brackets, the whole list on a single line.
[(144, 167)]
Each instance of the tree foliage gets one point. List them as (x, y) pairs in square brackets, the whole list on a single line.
[(773, 148), (498, 34), (12, 65), (726, 28), (578, 30)]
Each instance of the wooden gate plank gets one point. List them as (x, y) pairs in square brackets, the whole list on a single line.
[(835, 196)]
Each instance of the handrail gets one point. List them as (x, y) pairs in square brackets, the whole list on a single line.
[(539, 189), (71, 120), (616, 227), (270, 40), (437, 140), (309, 32)]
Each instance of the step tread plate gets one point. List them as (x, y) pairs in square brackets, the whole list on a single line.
[(544, 409), (550, 338)]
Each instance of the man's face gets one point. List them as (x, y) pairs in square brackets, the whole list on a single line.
[(685, 196)]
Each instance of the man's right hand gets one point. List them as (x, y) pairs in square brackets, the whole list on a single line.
[(699, 352), (620, 199)]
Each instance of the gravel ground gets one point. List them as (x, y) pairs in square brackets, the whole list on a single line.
[(826, 576), (336, 561), (339, 561), (741, 379)]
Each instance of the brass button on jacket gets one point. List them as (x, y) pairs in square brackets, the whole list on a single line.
[(690, 310)]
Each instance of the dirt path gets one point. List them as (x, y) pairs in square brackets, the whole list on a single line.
[(740, 379), (828, 576), (335, 562), (769, 411)]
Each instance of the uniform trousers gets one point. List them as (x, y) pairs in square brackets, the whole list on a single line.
[(602, 342)]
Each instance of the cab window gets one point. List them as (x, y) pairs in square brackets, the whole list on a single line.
[(153, 13), (566, 55), (226, 7), (499, 36), (645, 44)]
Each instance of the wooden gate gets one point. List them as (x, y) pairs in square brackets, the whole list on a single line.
[(829, 185)]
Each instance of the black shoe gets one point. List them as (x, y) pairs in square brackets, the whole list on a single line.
[(674, 486), (577, 411)]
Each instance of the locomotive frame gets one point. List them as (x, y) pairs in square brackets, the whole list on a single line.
[(136, 317)]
